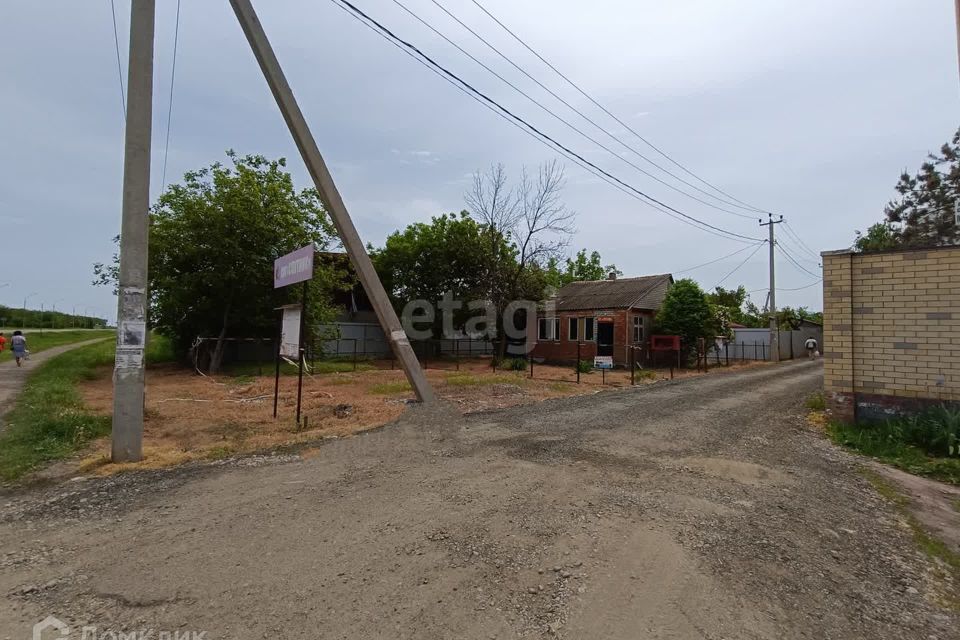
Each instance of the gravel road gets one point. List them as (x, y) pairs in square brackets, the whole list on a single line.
[(699, 509)]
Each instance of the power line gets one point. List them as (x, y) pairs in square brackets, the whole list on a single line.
[(606, 111), (795, 263), (524, 130), (173, 77), (812, 284), (800, 241), (563, 148), (741, 250), (739, 266), (589, 119), (116, 42)]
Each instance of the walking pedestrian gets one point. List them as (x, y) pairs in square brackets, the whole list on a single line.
[(18, 344), (3, 342)]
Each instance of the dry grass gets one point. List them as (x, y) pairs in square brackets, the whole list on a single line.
[(189, 417)]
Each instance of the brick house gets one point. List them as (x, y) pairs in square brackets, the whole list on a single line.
[(891, 322), (606, 317)]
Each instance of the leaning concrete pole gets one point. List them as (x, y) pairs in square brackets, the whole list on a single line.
[(128, 377), (297, 124)]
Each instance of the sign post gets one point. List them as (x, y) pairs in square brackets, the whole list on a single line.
[(295, 267)]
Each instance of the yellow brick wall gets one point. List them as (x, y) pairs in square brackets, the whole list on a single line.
[(892, 325)]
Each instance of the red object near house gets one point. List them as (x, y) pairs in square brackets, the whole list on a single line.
[(664, 343)]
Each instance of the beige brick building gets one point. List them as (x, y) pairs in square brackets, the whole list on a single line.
[(891, 324)]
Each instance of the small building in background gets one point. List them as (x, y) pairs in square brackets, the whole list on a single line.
[(606, 317)]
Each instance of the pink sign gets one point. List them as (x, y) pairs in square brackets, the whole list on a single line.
[(294, 267)]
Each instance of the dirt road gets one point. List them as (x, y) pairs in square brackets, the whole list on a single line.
[(704, 509)]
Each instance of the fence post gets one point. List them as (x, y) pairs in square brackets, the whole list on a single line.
[(354, 354), (456, 352), (577, 366), (633, 364), (763, 348), (531, 368), (726, 352)]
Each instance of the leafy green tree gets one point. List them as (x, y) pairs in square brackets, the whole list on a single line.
[(581, 267), (449, 254), (687, 313), (879, 237), (213, 240)]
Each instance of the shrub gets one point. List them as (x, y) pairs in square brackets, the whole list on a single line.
[(815, 402), (514, 364), (584, 366)]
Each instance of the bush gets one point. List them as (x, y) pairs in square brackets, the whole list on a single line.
[(816, 402), (584, 366), (511, 364)]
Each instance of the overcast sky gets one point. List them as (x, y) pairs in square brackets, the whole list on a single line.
[(807, 109)]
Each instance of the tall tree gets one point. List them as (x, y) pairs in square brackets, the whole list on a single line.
[(923, 215), (213, 240), (687, 313), (448, 255), (535, 223)]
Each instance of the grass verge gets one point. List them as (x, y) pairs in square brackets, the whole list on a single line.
[(468, 380), (49, 421), (37, 342), (875, 443)]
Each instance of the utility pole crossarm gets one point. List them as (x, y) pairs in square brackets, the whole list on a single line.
[(317, 168)]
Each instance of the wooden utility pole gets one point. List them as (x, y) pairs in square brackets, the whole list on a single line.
[(317, 168), (128, 373), (774, 325)]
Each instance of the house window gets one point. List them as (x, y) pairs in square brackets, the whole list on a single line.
[(589, 334), (573, 329), (637, 329), (548, 329)]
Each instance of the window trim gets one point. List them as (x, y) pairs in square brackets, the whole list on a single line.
[(552, 326), (593, 329), (573, 329), (556, 329), (638, 329)]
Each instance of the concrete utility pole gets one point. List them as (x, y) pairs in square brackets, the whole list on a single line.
[(297, 124), (774, 326), (128, 372)]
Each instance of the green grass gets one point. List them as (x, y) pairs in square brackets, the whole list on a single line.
[(320, 367), (37, 342), (816, 402), (390, 388), (49, 421), (883, 443)]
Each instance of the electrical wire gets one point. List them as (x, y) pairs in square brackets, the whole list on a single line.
[(730, 255), (793, 260), (521, 128), (816, 282), (606, 111), (173, 77), (563, 148), (588, 119), (739, 266), (800, 241), (116, 43)]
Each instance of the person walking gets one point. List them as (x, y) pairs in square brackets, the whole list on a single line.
[(3, 342), (18, 344)]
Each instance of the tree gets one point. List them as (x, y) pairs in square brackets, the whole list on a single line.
[(923, 215), (879, 237), (579, 268), (213, 240), (687, 313), (427, 260), (535, 224)]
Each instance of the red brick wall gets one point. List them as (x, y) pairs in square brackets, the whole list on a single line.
[(564, 350)]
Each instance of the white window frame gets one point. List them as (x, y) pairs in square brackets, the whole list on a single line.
[(573, 329), (593, 329), (637, 329), (556, 329)]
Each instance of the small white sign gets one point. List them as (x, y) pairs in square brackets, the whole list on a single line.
[(290, 333), (603, 362)]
